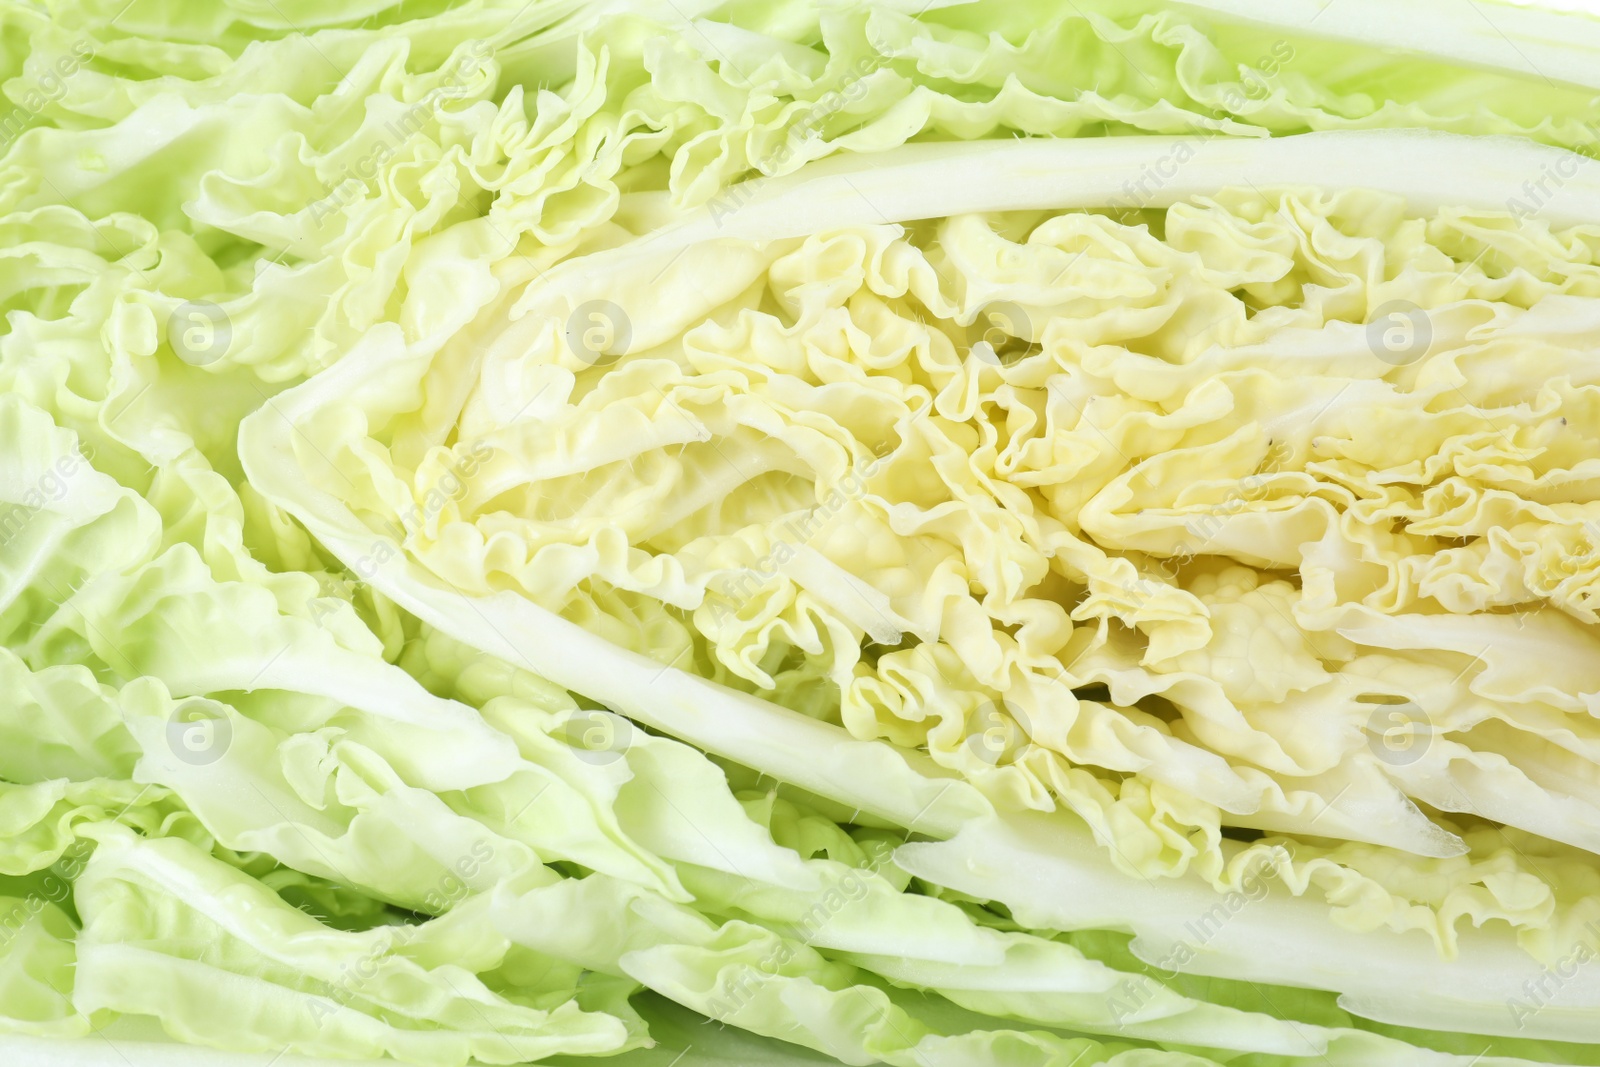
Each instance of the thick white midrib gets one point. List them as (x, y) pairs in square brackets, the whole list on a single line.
[(772, 739), (1029, 863), (1429, 168), (1527, 41)]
